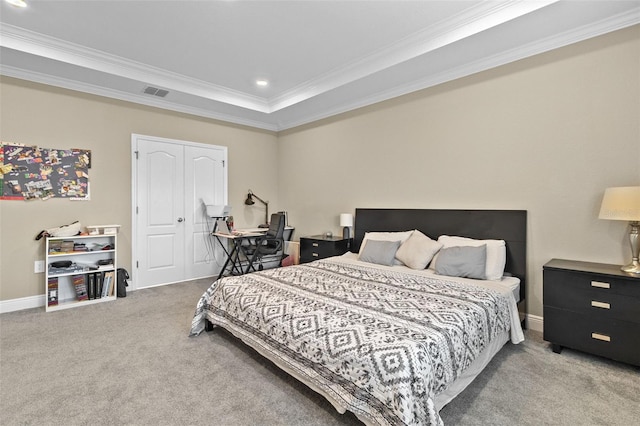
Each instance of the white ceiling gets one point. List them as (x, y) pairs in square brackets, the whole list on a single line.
[(320, 57)]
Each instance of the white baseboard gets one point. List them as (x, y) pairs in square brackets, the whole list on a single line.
[(30, 302), (535, 323), (12, 305)]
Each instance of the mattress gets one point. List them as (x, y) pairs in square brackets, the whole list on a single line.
[(387, 343), (506, 283)]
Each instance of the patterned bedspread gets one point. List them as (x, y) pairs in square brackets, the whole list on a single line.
[(380, 343)]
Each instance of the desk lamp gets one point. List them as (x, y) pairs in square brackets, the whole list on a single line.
[(249, 202)]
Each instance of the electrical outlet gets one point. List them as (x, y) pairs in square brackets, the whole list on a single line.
[(38, 267)]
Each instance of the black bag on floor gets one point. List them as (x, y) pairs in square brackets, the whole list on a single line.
[(123, 276)]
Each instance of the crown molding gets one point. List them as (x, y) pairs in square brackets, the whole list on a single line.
[(465, 24), (585, 32), (470, 22), (52, 48), (128, 97), (140, 72)]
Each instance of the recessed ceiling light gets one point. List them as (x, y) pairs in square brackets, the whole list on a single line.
[(262, 83), (17, 3)]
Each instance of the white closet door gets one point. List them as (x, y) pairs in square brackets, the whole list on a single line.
[(205, 183), (160, 213), (173, 181)]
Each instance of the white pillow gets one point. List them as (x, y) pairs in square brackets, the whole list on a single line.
[(496, 253), (418, 250), (385, 236)]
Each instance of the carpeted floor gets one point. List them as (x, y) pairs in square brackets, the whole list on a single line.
[(131, 362)]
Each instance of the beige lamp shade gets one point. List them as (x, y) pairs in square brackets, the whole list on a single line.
[(621, 203)]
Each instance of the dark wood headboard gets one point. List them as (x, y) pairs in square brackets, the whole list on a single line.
[(507, 225)]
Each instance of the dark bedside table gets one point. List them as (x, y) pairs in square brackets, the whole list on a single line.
[(319, 247), (592, 307)]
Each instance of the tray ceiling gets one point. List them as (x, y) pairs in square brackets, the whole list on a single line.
[(320, 58)]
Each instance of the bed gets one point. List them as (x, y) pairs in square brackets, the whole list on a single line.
[(389, 342)]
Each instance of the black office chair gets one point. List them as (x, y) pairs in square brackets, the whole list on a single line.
[(271, 243)]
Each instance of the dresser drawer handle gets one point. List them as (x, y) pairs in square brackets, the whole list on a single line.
[(314, 254), (602, 337), (602, 305), (600, 284), (314, 244)]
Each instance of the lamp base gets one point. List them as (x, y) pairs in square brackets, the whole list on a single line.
[(634, 240), (632, 268), (345, 233)]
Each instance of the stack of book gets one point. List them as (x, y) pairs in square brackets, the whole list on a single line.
[(80, 247), (100, 284), (109, 285)]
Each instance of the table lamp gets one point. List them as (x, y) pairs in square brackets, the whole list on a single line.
[(623, 203), (346, 221)]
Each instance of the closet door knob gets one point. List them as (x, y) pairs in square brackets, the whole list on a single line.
[(180, 219)]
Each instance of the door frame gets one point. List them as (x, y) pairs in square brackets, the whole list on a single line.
[(134, 191)]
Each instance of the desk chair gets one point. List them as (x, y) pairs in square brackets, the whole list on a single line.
[(271, 243)]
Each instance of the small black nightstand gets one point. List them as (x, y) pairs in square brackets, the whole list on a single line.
[(317, 247), (592, 307)]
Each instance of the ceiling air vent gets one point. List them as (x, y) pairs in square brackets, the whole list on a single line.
[(155, 91)]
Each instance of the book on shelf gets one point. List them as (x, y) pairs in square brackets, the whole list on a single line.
[(108, 284), (81, 286), (112, 286), (99, 276), (52, 291), (95, 285), (91, 290), (105, 284)]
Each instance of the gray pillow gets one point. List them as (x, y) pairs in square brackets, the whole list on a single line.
[(380, 252), (467, 262)]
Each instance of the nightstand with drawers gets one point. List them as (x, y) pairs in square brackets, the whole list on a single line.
[(592, 307), (319, 247)]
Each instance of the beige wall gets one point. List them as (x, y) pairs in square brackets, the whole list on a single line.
[(547, 134), (35, 114)]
